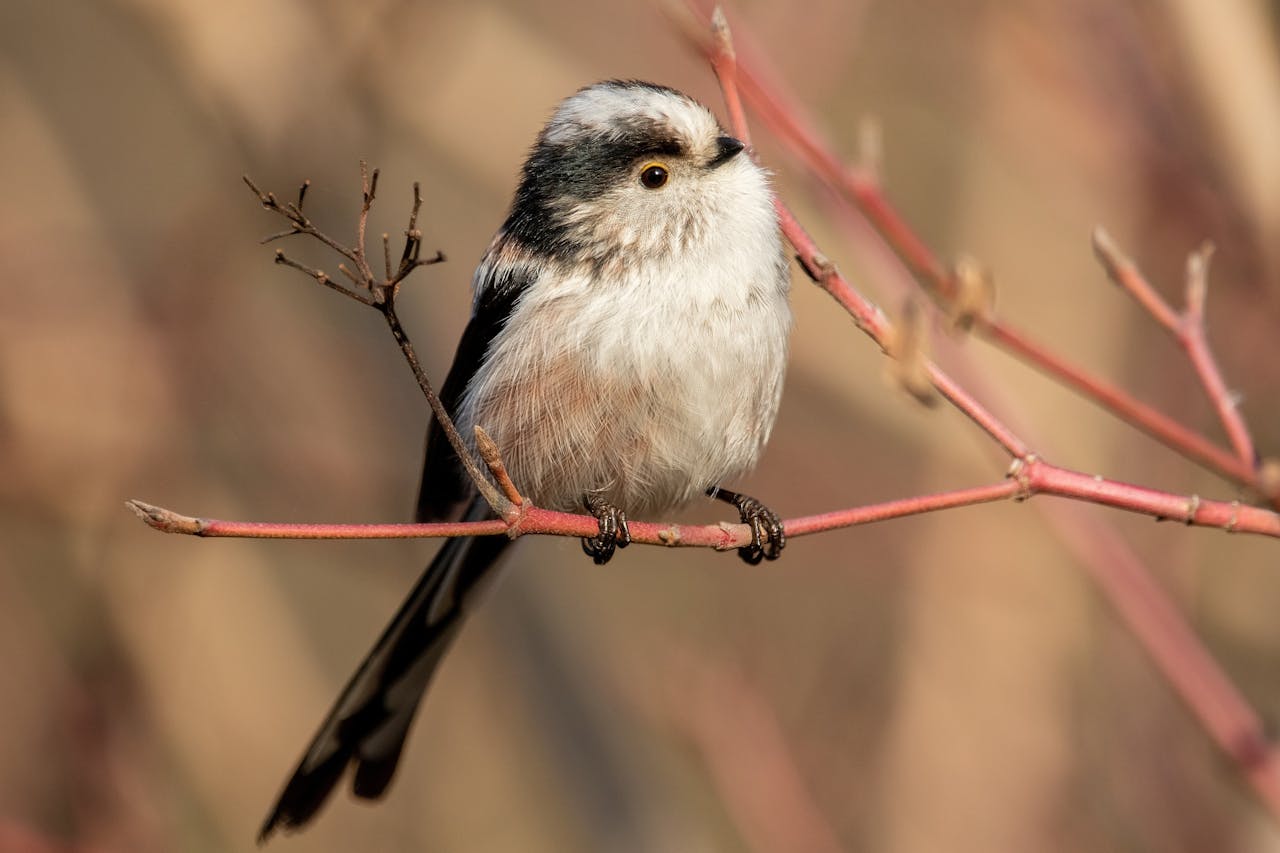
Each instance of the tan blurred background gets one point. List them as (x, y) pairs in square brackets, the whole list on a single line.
[(944, 683)]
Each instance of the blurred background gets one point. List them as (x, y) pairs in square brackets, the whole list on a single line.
[(951, 682)]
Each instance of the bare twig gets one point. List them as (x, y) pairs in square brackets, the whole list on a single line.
[(1124, 272), (1195, 341), (872, 321), (381, 294), (1188, 329)]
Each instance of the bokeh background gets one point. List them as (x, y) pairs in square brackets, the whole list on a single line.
[(942, 683)]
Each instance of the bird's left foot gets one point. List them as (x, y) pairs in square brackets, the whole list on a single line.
[(613, 534), (767, 536)]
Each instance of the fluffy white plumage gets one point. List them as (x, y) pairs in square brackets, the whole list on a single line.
[(653, 371)]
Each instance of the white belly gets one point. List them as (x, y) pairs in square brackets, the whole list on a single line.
[(645, 389)]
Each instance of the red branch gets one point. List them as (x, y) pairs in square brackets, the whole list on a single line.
[(1187, 329), (1143, 606), (531, 519), (862, 186)]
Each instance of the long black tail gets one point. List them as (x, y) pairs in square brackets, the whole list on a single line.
[(368, 724)]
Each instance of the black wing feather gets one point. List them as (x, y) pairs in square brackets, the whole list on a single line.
[(445, 486)]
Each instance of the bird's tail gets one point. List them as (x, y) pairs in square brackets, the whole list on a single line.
[(370, 720)]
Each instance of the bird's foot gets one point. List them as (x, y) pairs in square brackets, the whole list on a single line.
[(767, 536), (613, 534)]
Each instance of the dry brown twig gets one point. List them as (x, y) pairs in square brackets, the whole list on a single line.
[(378, 293)]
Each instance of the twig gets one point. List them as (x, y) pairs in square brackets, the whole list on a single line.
[(723, 61), (1195, 340), (1187, 328), (381, 294), (872, 321), (1125, 274), (493, 458)]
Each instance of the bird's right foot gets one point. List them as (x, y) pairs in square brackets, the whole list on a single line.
[(613, 534)]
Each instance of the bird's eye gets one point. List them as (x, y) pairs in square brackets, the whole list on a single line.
[(653, 175)]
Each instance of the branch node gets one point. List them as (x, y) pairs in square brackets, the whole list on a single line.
[(730, 540), (974, 294), (1193, 507), (907, 343), (1230, 526), (818, 267), (1019, 471)]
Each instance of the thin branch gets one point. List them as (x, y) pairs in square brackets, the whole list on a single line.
[(168, 521), (1188, 329), (1121, 269), (872, 321), (381, 294), (1195, 341), (493, 459), (492, 496), (323, 278), (1149, 420), (861, 185), (723, 61)]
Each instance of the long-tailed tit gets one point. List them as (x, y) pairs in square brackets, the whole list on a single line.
[(626, 352)]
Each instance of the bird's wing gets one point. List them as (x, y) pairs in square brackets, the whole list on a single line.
[(445, 488)]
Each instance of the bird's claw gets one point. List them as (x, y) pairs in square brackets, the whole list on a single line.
[(613, 534), (767, 536)]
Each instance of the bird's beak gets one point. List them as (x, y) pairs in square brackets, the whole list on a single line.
[(726, 148)]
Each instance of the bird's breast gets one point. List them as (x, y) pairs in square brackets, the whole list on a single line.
[(645, 387)]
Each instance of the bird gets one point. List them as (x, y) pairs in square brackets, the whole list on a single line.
[(626, 352)]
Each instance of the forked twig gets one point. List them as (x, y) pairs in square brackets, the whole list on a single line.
[(1187, 328), (380, 293)]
